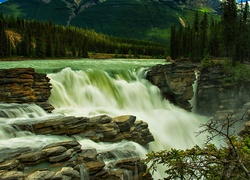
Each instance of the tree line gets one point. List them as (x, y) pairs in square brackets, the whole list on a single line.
[(227, 37), (35, 39)]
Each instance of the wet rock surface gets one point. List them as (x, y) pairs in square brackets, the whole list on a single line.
[(99, 129), (69, 160), (216, 94), (24, 85), (174, 81)]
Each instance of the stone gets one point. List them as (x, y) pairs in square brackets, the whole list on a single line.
[(15, 175), (216, 93), (246, 129), (62, 157), (124, 122), (32, 157), (54, 151), (98, 129), (24, 85), (9, 164), (174, 81), (41, 174), (70, 172)]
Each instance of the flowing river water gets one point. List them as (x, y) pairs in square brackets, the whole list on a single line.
[(95, 87)]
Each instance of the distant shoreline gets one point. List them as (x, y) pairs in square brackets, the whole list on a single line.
[(91, 56)]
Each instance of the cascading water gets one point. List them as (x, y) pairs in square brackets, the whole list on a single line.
[(11, 137), (193, 100), (95, 92)]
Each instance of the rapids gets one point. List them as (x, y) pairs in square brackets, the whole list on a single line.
[(95, 92), (90, 88)]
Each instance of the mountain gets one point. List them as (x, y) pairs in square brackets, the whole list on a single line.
[(137, 19)]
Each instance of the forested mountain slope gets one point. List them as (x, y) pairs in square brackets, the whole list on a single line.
[(137, 19)]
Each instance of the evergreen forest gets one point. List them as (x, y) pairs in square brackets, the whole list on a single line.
[(38, 39), (206, 37)]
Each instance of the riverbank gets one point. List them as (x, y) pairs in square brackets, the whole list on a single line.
[(91, 56)]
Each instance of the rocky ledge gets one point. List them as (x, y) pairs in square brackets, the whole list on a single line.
[(99, 129), (175, 82), (24, 85), (68, 160), (215, 95)]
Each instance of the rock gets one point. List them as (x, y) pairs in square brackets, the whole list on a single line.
[(32, 157), (67, 160), (54, 151), (17, 175), (174, 81), (215, 93), (246, 130), (24, 85), (124, 122), (70, 172), (99, 128), (12, 164), (41, 174), (62, 157)]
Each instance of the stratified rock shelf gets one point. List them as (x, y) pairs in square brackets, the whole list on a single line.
[(24, 85)]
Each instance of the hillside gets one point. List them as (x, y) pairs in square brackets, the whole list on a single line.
[(148, 20)]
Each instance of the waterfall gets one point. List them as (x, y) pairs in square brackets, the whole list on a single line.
[(95, 92), (12, 137), (115, 92), (14, 110), (193, 100)]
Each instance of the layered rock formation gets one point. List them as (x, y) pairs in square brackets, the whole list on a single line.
[(175, 82), (66, 160), (216, 95), (99, 128), (24, 85), (69, 160)]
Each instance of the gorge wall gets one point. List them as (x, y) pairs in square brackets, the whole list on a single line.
[(216, 93), (215, 96)]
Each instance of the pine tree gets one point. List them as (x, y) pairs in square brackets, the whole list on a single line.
[(229, 24), (203, 36), (173, 43), (3, 38)]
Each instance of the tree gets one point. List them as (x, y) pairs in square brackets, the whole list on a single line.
[(229, 24), (3, 38), (173, 43), (231, 161)]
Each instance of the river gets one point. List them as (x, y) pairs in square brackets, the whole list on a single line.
[(114, 87)]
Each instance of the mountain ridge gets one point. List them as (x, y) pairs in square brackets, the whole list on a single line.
[(135, 19)]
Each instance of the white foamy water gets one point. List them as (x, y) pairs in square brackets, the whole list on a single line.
[(96, 91)]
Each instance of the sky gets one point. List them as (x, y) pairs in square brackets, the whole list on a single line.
[(2, 1), (242, 1)]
